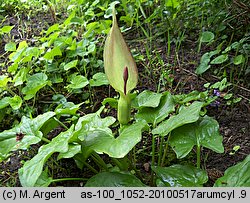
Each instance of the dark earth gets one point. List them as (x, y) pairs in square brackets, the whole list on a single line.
[(234, 120)]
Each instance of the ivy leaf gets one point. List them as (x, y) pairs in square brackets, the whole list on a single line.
[(186, 115), (34, 84), (239, 59), (78, 82), (207, 37), (30, 128), (114, 179), (181, 176), (204, 132), (204, 62), (32, 169), (6, 29), (220, 59), (51, 53), (4, 79), (11, 46), (15, 102), (70, 65), (98, 79), (67, 108)]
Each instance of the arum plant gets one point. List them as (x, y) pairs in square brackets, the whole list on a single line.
[(120, 69)]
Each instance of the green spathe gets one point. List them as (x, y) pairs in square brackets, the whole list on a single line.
[(120, 69), (117, 57)]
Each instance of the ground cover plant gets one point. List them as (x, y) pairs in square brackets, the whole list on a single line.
[(124, 93)]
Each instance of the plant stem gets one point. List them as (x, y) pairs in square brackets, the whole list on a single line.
[(160, 151), (99, 161), (90, 167), (165, 151), (45, 140), (153, 160), (61, 123), (67, 179), (118, 163), (198, 152)]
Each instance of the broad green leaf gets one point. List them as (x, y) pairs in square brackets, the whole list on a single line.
[(13, 67), (72, 151), (181, 176), (44, 180), (117, 57), (76, 20), (239, 59), (147, 99), (15, 102), (204, 62), (101, 141), (32, 169), (21, 76), (29, 53), (114, 179), (207, 37), (204, 132), (31, 130), (111, 101), (192, 96), (91, 123), (11, 46), (6, 29), (34, 84), (51, 53), (4, 79), (236, 176), (4, 102), (21, 45), (220, 59), (78, 82), (18, 54), (70, 65), (158, 114), (172, 3), (68, 108), (52, 28), (186, 115), (98, 79)]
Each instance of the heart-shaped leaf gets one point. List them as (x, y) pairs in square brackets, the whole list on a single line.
[(220, 59), (147, 99), (78, 82), (32, 169), (98, 79), (34, 84), (158, 114), (29, 128), (236, 176), (181, 176), (207, 37), (104, 142), (186, 115), (114, 179), (204, 132)]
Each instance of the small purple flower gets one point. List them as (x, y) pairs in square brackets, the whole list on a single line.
[(216, 92), (215, 104)]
